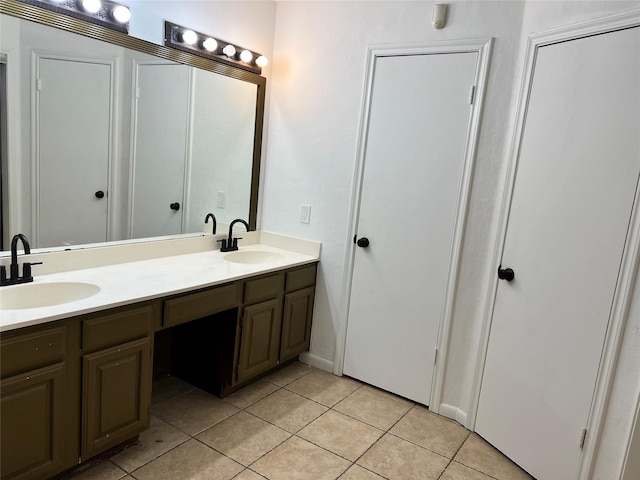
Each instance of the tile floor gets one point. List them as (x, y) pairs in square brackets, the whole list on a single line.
[(300, 423)]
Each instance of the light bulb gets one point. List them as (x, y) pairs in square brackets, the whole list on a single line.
[(246, 56), (92, 6), (210, 45), (229, 50), (121, 13), (189, 37), (262, 61)]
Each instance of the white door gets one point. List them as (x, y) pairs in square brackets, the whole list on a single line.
[(73, 135), (160, 140), (417, 135), (576, 180)]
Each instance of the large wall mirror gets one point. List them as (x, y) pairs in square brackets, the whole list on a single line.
[(109, 137)]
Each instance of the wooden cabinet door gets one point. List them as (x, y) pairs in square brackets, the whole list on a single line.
[(260, 338), (32, 415), (116, 392), (296, 323)]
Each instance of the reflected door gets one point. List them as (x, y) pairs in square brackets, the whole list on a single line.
[(73, 135), (415, 152), (573, 196), (160, 133)]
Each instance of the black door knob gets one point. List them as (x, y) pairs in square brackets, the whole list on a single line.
[(99, 194), (506, 274), (363, 242), (175, 206)]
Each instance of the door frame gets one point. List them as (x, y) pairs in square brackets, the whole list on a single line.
[(36, 56), (481, 46), (630, 259)]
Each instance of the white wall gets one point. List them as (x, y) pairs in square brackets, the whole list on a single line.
[(317, 85), (317, 89)]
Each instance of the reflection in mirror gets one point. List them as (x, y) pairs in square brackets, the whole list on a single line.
[(211, 121), (112, 143)]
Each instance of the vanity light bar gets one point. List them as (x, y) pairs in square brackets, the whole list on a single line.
[(206, 46), (100, 12)]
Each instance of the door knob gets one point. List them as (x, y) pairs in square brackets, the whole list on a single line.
[(363, 242), (99, 194), (175, 206), (506, 274)]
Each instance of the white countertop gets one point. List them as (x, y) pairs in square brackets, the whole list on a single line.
[(130, 282)]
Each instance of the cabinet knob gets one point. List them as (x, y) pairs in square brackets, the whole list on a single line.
[(175, 206), (99, 194)]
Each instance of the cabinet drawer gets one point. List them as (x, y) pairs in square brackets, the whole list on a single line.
[(199, 305), (33, 350), (301, 278), (108, 330), (262, 289)]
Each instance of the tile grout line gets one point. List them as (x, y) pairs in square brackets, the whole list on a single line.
[(378, 440), (469, 466), (266, 421), (155, 458), (454, 456), (182, 394), (295, 434), (423, 447)]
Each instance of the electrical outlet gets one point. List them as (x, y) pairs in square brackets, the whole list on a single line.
[(222, 200), (305, 213)]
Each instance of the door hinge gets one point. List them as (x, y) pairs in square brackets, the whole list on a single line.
[(39, 84), (137, 92), (472, 94), (583, 437), (435, 356)]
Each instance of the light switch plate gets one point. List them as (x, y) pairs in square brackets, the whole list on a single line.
[(222, 200), (305, 213)]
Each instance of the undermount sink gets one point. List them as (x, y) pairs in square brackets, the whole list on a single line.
[(253, 257), (34, 295)]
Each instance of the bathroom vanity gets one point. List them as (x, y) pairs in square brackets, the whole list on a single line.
[(79, 383)]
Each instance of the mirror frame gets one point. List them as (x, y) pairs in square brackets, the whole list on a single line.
[(98, 32)]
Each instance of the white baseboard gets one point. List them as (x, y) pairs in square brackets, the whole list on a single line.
[(453, 413), (316, 361)]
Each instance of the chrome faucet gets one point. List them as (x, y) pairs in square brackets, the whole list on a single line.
[(230, 244), (212, 217), (14, 268)]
